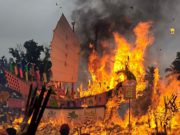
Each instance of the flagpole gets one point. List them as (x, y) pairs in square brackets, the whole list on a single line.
[(129, 116)]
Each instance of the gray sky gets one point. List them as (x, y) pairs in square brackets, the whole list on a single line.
[(22, 20)]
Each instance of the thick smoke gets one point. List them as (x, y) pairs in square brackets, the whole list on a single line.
[(97, 19)]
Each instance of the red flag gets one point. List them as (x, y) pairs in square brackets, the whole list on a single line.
[(21, 72), (15, 70)]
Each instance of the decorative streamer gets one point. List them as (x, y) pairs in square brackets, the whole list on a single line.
[(44, 78), (26, 73), (15, 69)]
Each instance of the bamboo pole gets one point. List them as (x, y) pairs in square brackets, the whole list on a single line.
[(36, 112)]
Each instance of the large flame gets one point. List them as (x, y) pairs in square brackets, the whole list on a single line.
[(107, 70), (104, 70)]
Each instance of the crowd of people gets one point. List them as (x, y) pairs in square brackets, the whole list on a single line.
[(64, 130)]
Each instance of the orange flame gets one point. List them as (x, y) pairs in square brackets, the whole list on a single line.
[(104, 69)]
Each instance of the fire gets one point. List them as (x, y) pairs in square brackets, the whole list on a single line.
[(168, 88), (108, 70), (17, 122), (156, 79)]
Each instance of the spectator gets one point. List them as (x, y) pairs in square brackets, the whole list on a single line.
[(11, 131), (3, 132), (64, 130)]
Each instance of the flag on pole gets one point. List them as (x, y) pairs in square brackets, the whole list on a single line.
[(26, 76), (21, 71), (15, 69), (44, 78), (26, 73)]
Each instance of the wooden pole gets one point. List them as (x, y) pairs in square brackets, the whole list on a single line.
[(26, 117), (36, 112), (129, 116), (42, 109)]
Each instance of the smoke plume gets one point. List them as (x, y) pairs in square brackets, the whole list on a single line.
[(97, 19)]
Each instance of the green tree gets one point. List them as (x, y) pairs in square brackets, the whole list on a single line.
[(17, 54), (33, 55), (174, 68), (33, 52)]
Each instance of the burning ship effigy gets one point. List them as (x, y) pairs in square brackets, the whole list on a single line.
[(120, 98), (120, 95), (65, 55)]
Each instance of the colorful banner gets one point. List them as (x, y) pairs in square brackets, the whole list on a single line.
[(15, 69), (21, 72), (26, 73), (44, 78), (26, 76), (75, 116)]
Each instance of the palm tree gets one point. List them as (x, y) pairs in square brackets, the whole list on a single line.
[(150, 74), (174, 68)]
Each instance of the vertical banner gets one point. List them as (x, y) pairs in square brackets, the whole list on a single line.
[(21, 72), (44, 78), (15, 69), (26, 73)]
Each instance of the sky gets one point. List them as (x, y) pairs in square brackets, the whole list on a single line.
[(22, 20)]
